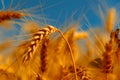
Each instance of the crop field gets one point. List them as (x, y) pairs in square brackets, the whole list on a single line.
[(33, 48)]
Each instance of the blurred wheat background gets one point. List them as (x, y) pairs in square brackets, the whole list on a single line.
[(59, 40)]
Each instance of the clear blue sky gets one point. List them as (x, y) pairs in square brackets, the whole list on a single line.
[(57, 12), (62, 10)]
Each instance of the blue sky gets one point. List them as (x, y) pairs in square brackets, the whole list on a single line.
[(62, 10), (59, 12)]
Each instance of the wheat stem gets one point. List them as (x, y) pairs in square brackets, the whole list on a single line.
[(71, 53)]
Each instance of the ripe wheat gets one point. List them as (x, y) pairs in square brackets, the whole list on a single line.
[(93, 54)]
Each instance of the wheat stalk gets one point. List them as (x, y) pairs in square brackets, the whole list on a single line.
[(70, 42)]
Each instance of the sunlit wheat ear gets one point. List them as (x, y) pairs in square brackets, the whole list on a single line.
[(36, 41), (108, 56), (9, 15), (8, 18), (43, 55), (111, 19)]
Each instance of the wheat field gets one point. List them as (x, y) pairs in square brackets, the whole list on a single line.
[(46, 52)]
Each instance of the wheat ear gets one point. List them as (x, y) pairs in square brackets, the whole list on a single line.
[(43, 55), (111, 19), (8, 15), (108, 58), (36, 41)]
